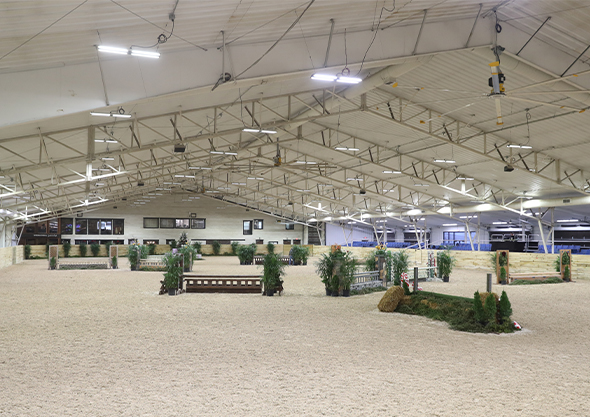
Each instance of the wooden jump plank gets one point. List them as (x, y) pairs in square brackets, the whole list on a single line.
[(223, 283), (533, 276)]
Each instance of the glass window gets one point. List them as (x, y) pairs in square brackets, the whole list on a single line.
[(52, 226), (151, 222), (197, 223), (131, 241), (167, 223), (106, 227), (258, 224), (42, 227), (182, 224), (81, 226), (151, 241), (247, 228), (93, 226), (30, 228), (67, 227), (118, 227), (290, 226)]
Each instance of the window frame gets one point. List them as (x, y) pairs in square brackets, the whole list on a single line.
[(157, 219)]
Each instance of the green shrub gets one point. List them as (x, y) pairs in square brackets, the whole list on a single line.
[(114, 262), (47, 250), (133, 255), (399, 265), (173, 244), (143, 251), (300, 254), (152, 248), (95, 248), (67, 246), (53, 263), (270, 247), (83, 249), (406, 288), (27, 251), (336, 270), (478, 308), (446, 263), (504, 307), (216, 246), (566, 273), (173, 270), (502, 273), (246, 254), (189, 253), (556, 264), (197, 246), (552, 280), (273, 270), (107, 247), (234, 248), (490, 308)]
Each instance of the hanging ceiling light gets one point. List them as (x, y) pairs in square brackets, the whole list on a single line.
[(346, 148), (120, 112), (130, 51), (445, 161), (338, 78), (251, 130)]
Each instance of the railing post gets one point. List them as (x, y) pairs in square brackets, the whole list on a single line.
[(489, 283), (415, 279)]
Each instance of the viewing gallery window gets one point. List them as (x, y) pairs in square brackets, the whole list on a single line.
[(67, 227), (81, 226), (197, 223), (182, 223), (167, 223), (118, 226), (106, 227), (290, 226), (151, 222), (93, 226), (52, 226), (247, 227), (258, 224)]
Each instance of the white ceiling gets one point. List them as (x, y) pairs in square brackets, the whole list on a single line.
[(51, 77)]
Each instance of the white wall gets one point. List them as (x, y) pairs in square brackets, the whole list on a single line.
[(335, 234), (223, 221)]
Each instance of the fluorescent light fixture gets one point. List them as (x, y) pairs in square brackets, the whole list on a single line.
[(392, 172), (199, 168), (145, 54), (445, 161), (108, 158), (222, 153), (421, 185), (323, 77), (306, 162), (224, 188), (256, 178), (270, 132), (163, 189), (112, 114), (349, 80), (113, 50), (105, 141), (414, 212), (449, 224), (520, 146), (499, 222), (381, 221), (465, 178), (212, 191), (346, 148), (99, 183), (567, 221), (238, 183), (183, 176), (303, 191), (354, 179), (468, 217)]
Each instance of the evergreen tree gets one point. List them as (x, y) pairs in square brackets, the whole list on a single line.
[(478, 308), (490, 308), (505, 307)]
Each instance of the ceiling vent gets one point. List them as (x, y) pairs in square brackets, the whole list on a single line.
[(179, 148)]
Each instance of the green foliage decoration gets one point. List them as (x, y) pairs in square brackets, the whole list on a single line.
[(95, 248), (234, 248), (53, 263), (300, 254), (173, 244), (27, 251), (189, 254), (152, 248), (216, 246), (566, 273), (504, 307), (400, 262), (134, 254), (67, 246), (490, 308), (246, 254), (83, 249), (173, 270), (478, 308), (336, 270), (182, 240), (406, 288), (503, 274), (114, 262), (446, 263), (197, 246), (273, 270), (270, 247)]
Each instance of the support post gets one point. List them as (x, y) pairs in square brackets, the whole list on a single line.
[(489, 283), (415, 279)]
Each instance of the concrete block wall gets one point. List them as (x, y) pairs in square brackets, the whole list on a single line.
[(11, 255)]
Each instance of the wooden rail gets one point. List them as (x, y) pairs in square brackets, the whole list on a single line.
[(532, 276), (223, 283), (259, 260)]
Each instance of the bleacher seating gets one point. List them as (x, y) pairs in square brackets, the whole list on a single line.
[(574, 248)]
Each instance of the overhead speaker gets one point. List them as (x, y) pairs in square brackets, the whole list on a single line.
[(363, 192), (508, 168), (140, 183), (179, 148)]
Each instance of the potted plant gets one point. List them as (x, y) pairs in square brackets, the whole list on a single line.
[(197, 246), (134, 255), (234, 248), (246, 254), (565, 261), (182, 240), (188, 252), (399, 265), (503, 275), (446, 262), (300, 254), (27, 251), (114, 262), (95, 248), (67, 246), (173, 273), (273, 270), (53, 263), (336, 271), (152, 248)]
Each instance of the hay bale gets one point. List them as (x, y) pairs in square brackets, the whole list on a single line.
[(391, 299)]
